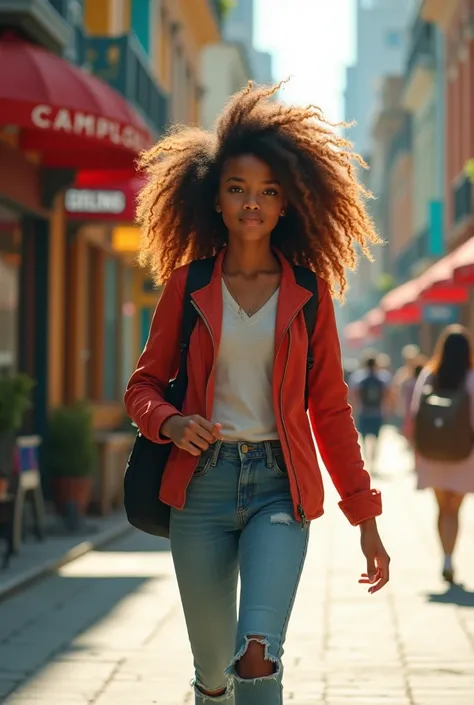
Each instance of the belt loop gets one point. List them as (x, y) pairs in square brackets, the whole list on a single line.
[(269, 453), (215, 453)]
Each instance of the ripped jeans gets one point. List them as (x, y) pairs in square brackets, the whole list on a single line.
[(238, 518)]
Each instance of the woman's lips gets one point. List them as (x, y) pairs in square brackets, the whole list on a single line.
[(251, 220)]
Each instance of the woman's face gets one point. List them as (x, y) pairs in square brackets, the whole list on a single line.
[(250, 198)]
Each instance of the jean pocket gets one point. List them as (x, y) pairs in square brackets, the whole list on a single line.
[(279, 465), (204, 463)]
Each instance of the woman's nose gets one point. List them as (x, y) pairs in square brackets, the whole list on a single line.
[(252, 204)]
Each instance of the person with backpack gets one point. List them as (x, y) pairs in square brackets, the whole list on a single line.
[(371, 398), (442, 433), (262, 216)]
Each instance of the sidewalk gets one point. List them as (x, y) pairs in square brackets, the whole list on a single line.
[(107, 629), (37, 558)]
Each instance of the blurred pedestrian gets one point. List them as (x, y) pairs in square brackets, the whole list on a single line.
[(384, 362), (402, 382), (271, 189), (371, 397), (443, 432), (408, 390)]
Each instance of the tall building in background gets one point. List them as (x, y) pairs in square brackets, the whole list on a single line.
[(239, 26), (382, 40), (381, 47)]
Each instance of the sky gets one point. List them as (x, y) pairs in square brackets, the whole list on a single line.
[(312, 41)]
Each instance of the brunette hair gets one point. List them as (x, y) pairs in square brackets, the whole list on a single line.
[(452, 358), (326, 216)]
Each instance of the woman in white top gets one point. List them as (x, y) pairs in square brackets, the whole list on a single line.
[(273, 191), (451, 369)]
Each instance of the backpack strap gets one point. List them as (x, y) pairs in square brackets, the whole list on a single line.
[(199, 275), (307, 279)]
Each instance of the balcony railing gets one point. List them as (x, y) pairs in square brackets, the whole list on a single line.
[(70, 10), (422, 47), (462, 199), (121, 63)]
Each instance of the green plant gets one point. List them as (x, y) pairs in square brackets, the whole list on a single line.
[(225, 6), (15, 400), (70, 449), (385, 283)]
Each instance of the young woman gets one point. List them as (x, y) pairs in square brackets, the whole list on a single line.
[(273, 187), (451, 368)]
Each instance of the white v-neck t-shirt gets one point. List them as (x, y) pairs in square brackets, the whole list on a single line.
[(243, 399)]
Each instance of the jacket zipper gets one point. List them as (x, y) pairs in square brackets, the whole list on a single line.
[(299, 507)]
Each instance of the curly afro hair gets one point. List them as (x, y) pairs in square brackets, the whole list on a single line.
[(326, 214)]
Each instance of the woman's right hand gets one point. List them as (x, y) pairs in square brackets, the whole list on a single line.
[(191, 433)]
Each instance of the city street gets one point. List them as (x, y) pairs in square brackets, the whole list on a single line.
[(108, 630)]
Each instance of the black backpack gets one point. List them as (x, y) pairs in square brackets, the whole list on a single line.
[(443, 426), (371, 391), (147, 461)]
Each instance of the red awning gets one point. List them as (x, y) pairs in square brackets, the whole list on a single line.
[(74, 119), (374, 320), (463, 263), (437, 285), (104, 195), (407, 315), (403, 295)]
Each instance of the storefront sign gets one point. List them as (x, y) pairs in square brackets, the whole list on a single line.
[(92, 201), (74, 122), (441, 314)]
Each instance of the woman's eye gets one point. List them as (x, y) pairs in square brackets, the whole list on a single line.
[(235, 189), (270, 192)]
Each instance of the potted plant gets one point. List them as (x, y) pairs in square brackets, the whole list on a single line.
[(15, 400), (70, 458)]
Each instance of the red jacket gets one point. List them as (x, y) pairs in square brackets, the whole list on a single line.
[(330, 417)]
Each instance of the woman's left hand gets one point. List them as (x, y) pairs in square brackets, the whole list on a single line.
[(378, 560)]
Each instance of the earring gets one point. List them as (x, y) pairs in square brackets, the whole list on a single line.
[(218, 209), (283, 212)]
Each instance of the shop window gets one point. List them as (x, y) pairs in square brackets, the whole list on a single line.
[(111, 330), (146, 314), (10, 258), (127, 334), (148, 286), (94, 323)]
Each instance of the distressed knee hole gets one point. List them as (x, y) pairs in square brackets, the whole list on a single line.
[(253, 661)]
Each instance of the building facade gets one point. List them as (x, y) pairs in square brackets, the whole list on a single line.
[(239, 26), (381, 46), (225, 69), (430, 186), (381, 42), (73, 306)]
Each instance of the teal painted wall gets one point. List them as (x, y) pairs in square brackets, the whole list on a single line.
[(140, 21)]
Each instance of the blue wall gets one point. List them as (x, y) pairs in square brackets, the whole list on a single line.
[(140, 21)]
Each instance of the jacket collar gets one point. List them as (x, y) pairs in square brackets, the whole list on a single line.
[(291, 300)]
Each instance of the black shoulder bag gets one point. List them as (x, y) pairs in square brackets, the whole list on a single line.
[(147, 461)]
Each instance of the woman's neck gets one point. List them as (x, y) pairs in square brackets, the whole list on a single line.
[(249, 258)]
